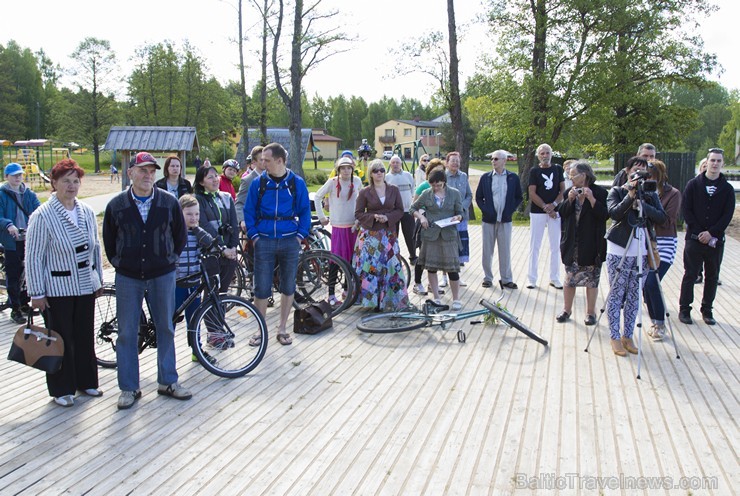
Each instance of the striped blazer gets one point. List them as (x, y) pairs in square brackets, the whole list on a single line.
[(63, 259)]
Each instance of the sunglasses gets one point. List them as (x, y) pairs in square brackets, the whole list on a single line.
[(379, 170), (717, 150), (496, 159)]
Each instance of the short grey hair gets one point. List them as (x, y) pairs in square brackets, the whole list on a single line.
[(500, 154), (543, 145), (585, 168), (647, 146)]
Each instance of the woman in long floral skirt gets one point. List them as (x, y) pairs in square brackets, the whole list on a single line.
[(378, 209)]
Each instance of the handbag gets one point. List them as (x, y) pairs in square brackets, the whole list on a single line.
[(312, 319), (37, 347), (654, 260)]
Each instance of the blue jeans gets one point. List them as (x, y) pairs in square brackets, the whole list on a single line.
[(181, 294), (651, 292), (160, 294), (268, 252)]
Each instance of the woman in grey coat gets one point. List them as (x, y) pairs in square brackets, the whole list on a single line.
[(440, 245)]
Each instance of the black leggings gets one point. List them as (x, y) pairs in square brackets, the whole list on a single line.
[(454, 276)]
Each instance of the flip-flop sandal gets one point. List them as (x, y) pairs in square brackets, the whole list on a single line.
[(255, 340), (284, 339)]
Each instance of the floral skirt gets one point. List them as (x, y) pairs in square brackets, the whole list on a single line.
[(381, 272), (583, 276)]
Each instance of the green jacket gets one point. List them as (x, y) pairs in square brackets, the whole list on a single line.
[(452, 205)]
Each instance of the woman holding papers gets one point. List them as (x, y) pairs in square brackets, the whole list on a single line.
[(439, 210)]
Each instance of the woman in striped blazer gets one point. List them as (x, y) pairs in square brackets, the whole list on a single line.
[(64, 274)]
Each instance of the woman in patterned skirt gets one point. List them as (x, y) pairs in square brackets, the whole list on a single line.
[(378, 209), (582, 243)]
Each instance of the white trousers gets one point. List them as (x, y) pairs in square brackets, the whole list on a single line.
[(537, 225), (499, 233)]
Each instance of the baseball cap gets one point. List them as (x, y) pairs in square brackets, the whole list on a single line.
[(345, 161), (145, 158), (13, 168)]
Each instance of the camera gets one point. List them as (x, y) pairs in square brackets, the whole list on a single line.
[(644, 183), (365, 150), (579, 191), (224, 230)]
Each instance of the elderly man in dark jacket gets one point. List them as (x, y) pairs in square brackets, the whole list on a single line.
[(498, 195), (144, 233)]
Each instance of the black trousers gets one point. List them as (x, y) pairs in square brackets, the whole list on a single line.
[(696, 254), (74, 318), (406, 224), (13, 271)]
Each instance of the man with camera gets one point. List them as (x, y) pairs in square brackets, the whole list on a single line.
[(708, 205)]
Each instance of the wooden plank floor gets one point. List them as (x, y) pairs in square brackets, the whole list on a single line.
[(414, 413)]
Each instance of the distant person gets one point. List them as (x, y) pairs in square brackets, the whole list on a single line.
[(144, 233), (420, 174), (258, 167), (404, 181), (173, 182), (546, 187), (197, 163), (229, 169), (459, 180), (498, 195), (206, 163), (114, 173), (17, 203), (646, 151), (566, 172), (708, 205)]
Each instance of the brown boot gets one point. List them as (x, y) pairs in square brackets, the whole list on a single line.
[(629, 345), (617, 348)]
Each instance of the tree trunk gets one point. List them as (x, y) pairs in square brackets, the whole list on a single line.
[(263, 82), (245, 123), (295, 157)]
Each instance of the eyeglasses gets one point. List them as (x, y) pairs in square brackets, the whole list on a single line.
[(424, 161), (573, 176), (717, 150), (496, 159), (382, 171)]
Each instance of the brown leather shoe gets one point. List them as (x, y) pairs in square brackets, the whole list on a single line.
[(617, 348), (629, 345)]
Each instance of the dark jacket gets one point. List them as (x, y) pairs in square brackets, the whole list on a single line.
[(671, 201), (144, 250), (624, 217), (368, 204), (484, 197), (707, 213), (183, 186), (222, 225), (587, 233)]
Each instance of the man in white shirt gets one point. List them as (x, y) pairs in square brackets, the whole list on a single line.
[(404, 181)]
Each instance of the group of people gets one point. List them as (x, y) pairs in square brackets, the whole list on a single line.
[(152, 231)]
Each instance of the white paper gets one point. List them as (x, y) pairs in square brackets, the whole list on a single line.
[(449, 221)]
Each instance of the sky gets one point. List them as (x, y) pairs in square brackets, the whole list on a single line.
[(368, 68)]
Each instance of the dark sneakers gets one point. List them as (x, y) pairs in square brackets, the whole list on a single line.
[(17, 316), (708, 319), (685, 317)]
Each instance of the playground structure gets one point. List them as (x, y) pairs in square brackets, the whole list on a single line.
[(413, 155), (32, 155)]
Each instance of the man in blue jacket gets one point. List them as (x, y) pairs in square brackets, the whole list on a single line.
[(498, 195), (144, 233), (277, 217)]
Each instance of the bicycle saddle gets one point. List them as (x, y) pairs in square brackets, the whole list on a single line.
[(432, 307)]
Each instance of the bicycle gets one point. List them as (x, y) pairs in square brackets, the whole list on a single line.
[(5, 299), (219, 330), (432, 314)]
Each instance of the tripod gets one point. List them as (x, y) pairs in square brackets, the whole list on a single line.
[(640, 231)]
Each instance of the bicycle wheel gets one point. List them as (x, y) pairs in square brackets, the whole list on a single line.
[(383, 323), (221, 331), (321, 274), (406, 269), (512, 321), (319, 239), (238, 285), (106, 328)]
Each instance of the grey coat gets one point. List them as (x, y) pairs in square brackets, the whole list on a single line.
[(452, 205)]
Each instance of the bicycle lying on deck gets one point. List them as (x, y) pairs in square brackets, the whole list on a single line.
[(431, 314)]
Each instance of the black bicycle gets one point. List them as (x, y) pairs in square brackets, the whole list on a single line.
[(218, 332)]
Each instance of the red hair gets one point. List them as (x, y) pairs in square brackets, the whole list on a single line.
[(63, 168), (452, 154)]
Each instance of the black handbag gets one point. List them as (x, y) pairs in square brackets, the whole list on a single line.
[(312, 319), (37, 347)]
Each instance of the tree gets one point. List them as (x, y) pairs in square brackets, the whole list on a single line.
[(93, 70), (575, 57), (309, 46), (462, 144), (23, 92)]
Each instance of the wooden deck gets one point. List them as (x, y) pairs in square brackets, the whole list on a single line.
[(416, 413)]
